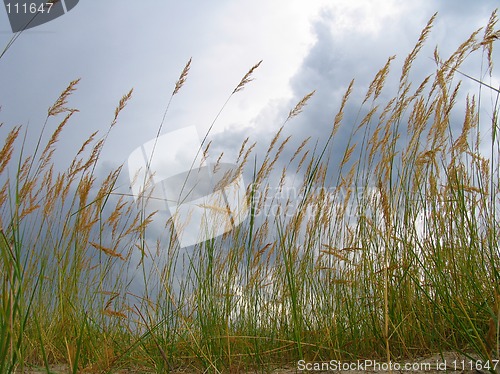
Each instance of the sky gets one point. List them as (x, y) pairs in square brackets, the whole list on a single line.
[(117, 45)]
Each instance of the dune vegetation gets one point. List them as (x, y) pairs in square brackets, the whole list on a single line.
[(392, 254)]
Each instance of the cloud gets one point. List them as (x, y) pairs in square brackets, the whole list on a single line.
[(330, 65), (355, 41), (114, 48)]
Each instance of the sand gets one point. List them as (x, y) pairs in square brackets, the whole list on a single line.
[(447, 362)]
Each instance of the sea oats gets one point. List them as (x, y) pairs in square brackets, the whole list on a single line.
[(471, 119), (367, 118), (47, 183), (262, 171), (26, 189), (383, 144), (245, 158), (65, 189), (300, 105), (3, 196), (141, 224), (458, 57), (340, 113), (433, 189), (59, 105), (473, 189), (402, 104), (121, 105), (490, 36), (439, 130), (302, 160), (386, 207), (114, 313), (388, 108), (247, 78), (60, 188), (230, 176), (282, 179), (205, 153), (273, 141), (321, 173), (217, 163), (422, 86), (116, 214), (94, 155), (278, 153), (440, 82), (331, 251), (347, 155), (413, 54), (48, 152), (83, 189), (374, 143), (216, 208), (349, 181), (242, 148), (75, 168), (379, 81), (299, 149), (182, 79), (419, 118), (88, 221), (28, 210), (7, 149), (309, 168)]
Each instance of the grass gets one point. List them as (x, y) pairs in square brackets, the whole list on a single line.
[(390, 255)]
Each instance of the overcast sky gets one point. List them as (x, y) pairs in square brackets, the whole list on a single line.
[(115, 45)]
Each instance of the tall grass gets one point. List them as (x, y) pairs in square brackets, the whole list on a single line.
[(392, 254)]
